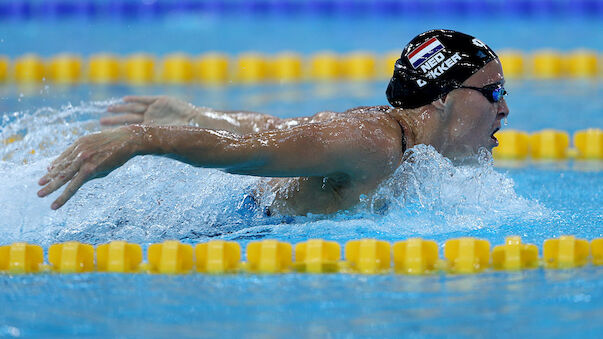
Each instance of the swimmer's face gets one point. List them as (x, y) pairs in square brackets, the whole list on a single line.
[(470, 119)]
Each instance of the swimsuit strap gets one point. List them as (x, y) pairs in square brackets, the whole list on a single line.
[(403, 138)]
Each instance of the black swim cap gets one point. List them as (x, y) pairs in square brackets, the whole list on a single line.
[(433, 64)]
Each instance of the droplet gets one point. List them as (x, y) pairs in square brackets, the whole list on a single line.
[(506, 121)]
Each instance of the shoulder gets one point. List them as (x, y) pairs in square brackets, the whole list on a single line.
[(372, 126), (376, 119), (365, 130), (374, 141), (383, 131)]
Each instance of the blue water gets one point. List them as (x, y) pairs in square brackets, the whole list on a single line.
[(551, 304), (152, 199), (197, 33)]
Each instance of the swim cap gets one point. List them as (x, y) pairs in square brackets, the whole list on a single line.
[(433, 64)]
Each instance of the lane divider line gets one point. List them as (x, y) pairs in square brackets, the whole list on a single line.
[(135, 9), (249, 68), (413, 256)]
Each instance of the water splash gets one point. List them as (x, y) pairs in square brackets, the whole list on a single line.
[(47, 131), (431, 195), (151, 198)]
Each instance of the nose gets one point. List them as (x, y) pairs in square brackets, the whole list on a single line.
[(503, 109)]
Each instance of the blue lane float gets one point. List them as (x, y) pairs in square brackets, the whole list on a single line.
[(33, 9), (66, 9)]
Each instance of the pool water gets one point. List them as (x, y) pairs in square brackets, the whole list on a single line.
[(551, 304), (152, 199), (199, 33), (137, 203)]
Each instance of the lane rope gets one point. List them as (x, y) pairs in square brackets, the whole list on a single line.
[(140, 9), (413, 256), (215, 68)]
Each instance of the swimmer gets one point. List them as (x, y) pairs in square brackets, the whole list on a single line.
[(447, 91)]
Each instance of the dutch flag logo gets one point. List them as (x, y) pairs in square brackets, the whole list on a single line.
[(422, 53)]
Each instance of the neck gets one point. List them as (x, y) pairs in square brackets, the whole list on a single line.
[(416, 124)]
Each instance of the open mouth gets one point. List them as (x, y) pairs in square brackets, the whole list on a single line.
[(492, 135)]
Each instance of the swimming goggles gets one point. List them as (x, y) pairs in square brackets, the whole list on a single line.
[(494, 92)]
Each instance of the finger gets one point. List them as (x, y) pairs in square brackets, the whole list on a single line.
[(73, 186), (65, 158), (142, 99), (122, 119), (56, 170), (62, 161), (130, 107), (52, 173), (60, 180)]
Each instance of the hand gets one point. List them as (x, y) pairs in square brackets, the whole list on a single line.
[(91, 156), (150, 110)]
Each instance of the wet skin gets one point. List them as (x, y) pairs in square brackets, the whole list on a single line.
[(317, 164)]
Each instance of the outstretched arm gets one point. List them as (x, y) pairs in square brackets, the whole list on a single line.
[(164, 110), (345, 147)]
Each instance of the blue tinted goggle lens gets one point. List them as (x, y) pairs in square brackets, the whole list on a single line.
[(498, 93), (494, 92)]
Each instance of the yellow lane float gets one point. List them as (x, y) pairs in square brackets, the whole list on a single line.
[(415, 256), (467, 255), (177, 68), (589, 143), (368, 256), (71, 257), (118, 257), (512, 144), (286, 67), (251, 68), (549, 144), (512, 63), (21, 258), (104, 69), (514, 255), (582, 64), (317, 256), (29, 69), (170, 257), (269, 256), (325, 66), (359, 66), (211, 68), (547, 64), (139, 69), (596, 248), (389, 61), (218, 256), (3, 68), (565, 252), (65, 69)]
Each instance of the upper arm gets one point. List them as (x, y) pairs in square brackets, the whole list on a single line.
[(356, 147)]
